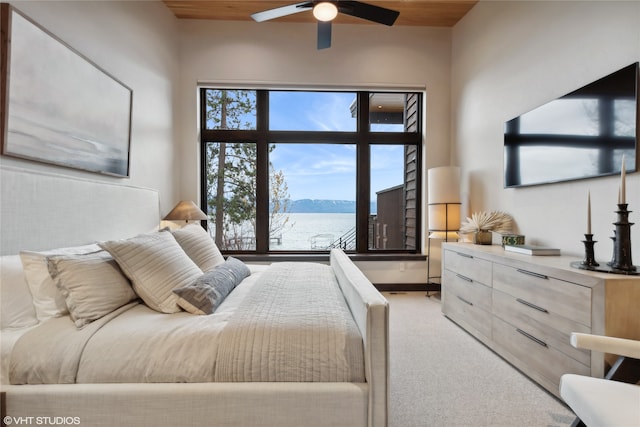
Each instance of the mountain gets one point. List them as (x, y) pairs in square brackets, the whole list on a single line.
[(323, 206)]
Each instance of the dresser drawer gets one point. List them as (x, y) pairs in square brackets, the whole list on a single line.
[(562, 299), (549, 327), (534, 354), (471, 317), (467, 302), (471, 291), (477, 269)]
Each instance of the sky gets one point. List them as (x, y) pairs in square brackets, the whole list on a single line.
[(326, 171)]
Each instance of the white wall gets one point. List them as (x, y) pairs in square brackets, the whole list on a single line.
[(276, 54), (510, 57), (136, 42)]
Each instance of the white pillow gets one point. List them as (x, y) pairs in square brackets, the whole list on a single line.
[(156, 264), (47, 299), (92, 284), (200, 247), (17, 309)]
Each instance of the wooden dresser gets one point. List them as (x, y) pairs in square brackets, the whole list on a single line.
[(525, 307)]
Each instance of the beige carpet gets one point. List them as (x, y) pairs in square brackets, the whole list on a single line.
[(442, 376)]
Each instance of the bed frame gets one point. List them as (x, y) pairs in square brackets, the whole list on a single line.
[(118, 211)]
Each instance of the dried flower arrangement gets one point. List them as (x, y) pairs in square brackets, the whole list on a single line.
[(496, 221)]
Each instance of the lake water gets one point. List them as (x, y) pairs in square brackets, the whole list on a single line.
[(306, 229)]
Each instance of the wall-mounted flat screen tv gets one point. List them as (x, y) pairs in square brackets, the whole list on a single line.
[(581, 135)]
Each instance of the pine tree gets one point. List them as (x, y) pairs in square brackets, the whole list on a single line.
[(231, 174)]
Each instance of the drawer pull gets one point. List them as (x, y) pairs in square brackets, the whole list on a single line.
[(465, 278), (464, 300), (531, 273), (535, 307), (464, 255), (532, 338)]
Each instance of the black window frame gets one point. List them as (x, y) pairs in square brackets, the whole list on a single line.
[(362, 138)]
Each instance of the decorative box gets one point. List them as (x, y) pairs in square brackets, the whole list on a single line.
[(512, 239)]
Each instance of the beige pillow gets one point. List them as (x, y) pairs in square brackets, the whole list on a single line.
[(92, 284), (200, 247), (156, 264), (47, 299)]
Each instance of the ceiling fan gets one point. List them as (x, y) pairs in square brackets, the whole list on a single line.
[(326, 11)]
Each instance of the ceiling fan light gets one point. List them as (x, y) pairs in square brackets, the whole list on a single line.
[(325, 11)]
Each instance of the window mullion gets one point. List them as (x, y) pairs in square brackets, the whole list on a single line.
[(313, 137), (204, 205), (262, 172), (363, 182)]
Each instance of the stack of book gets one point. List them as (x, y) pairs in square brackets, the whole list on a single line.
[(532, 250)]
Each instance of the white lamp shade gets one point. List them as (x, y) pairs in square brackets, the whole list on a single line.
[(185, 210), (443, 206), (443, 185), (444, 217)]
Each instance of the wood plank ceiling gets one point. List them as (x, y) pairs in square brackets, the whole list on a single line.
[(431, 13)]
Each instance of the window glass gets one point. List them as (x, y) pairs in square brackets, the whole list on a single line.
[(312, 111), (312, 194), (227, 109), (393, 191), (231, 194), (393, 112)]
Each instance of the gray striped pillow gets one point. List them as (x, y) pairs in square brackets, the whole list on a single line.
[(156, 265)]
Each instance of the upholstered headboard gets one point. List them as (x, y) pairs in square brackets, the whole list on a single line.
[(40, 211)]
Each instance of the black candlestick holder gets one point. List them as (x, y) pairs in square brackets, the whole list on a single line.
[(589, 258), (622, 241), (621, 262), (613, 257)]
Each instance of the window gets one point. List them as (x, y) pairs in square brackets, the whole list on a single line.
[(304, 171)]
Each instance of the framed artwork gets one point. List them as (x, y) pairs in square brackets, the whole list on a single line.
[(58, 107)]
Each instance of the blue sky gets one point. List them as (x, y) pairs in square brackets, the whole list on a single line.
[(326, 171)]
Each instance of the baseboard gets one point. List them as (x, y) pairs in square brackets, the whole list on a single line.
[(407, 287)]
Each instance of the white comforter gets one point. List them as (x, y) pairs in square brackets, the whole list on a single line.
[(137, 344), (295, 326)]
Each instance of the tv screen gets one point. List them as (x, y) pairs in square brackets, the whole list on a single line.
[(581, 135)]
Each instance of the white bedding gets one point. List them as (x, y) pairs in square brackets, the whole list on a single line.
[(182, 337), (135, 344), (122, 363), (8, 338), (294, 326)]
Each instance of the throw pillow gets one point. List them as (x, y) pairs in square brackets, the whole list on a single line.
[(205, 294), (92, 284), (156, 264), (47, 299), (200, 247)]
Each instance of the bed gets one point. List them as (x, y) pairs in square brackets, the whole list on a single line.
[(299, 344)]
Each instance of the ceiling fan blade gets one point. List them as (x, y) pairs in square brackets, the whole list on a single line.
[(324, 34), (281, 11), (369, 12)]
